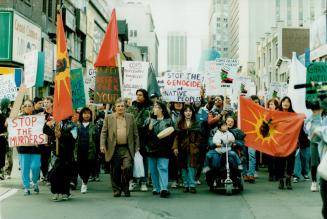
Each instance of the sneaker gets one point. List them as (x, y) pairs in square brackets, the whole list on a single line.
[(240, 167), (72, 185), (36, 189), (132, 185), (164, 194), (198, 182), (306, 177), (314, 187), (144, 188), (66, 197), (27, 192), (295, 180), (55, 197), (173, 184), (288, 183), (84, 188), (192, 190), (256, 175), (155, 193)]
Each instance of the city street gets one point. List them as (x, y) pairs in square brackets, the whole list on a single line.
[(259, 200)]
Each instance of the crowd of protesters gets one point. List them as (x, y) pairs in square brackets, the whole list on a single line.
[(194, 134)]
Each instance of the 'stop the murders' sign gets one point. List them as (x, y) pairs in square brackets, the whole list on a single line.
[(26, 131)]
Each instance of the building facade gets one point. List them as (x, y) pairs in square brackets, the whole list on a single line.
[(141, 29), (218, 26), (177, 51)]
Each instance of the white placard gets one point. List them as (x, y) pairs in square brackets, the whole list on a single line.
[(182, 87), (135, 77), (30, 68), (277, 89), (26, 131), (8, 88), (48, 49), (227, 69), (26, 38)]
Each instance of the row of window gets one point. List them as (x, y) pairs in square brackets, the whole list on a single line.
[(133, 33)]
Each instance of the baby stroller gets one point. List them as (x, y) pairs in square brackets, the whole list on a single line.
[(227, 178)]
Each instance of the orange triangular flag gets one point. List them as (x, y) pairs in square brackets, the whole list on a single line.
[(62, 103), (109, 48), (272, 132)]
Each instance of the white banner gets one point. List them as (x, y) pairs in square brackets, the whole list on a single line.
[(182, 87), (135, 77), (8, 88), (227, 69), (277, 89), (26, 38), (26, 131), (212, 79), (30, 68)]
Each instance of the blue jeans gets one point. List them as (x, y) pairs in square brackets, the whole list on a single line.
[(27, 163), (159, 173), (252, 161), (301, 165), (188, 175), (213, 159)]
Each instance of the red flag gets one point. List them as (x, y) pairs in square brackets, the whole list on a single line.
[(272, 132), (62, 103), (109, 48)]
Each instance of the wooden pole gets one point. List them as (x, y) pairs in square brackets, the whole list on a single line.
[(120, 75)]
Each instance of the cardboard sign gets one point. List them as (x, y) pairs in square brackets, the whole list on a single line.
[(107, 86), (135, 77), (182, 87), (8, 87), (277, 90), (26, 131), (227, 69), (77, 86), (30, 68), (212, 79), (316, 72)]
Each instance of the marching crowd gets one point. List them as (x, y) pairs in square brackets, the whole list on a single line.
[(178, 142)]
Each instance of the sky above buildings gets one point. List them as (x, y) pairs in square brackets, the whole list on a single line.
[(190, 16)]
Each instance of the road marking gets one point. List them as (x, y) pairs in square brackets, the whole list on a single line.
[(7, 194)]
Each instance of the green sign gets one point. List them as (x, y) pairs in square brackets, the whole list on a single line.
[(316, 72), (5, 35), (107, 86), (77, 86)]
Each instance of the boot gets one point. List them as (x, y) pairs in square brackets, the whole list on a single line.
[(281, 183), (288, 183)]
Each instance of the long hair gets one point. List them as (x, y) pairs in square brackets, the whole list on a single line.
[(85, 109), (147, 101), (181, 122), (290, 109), (164, 109), (275, 103)]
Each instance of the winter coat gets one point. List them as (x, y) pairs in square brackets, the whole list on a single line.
[(156, 147), (93, 143), (188, 142)]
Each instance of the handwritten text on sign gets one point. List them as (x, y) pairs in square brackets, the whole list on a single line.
[(182, 87), (26, 131), (77, 86)]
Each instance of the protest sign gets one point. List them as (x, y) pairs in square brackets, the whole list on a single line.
[(77, 86), (135, 77), (8, 87), (107, 86), (277, 90), (26, 131), (227, 69), (182, 87), (212, 79), (316, 72)]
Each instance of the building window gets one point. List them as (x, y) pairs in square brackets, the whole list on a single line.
[(131, 33), (135, 33), (277, 10), (44, 6), (301, 12), (50, 9), (312, 9), (269, 55), (264, 59), (97, 37), (276, 49), (225, 49)]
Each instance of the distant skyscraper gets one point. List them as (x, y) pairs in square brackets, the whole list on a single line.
[(218, 26), (177, 51)]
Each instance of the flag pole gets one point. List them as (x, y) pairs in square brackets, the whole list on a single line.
[(120, 75), (57, 128)]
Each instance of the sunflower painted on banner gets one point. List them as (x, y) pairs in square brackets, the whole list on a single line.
[(272, 132), (62, 104)]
